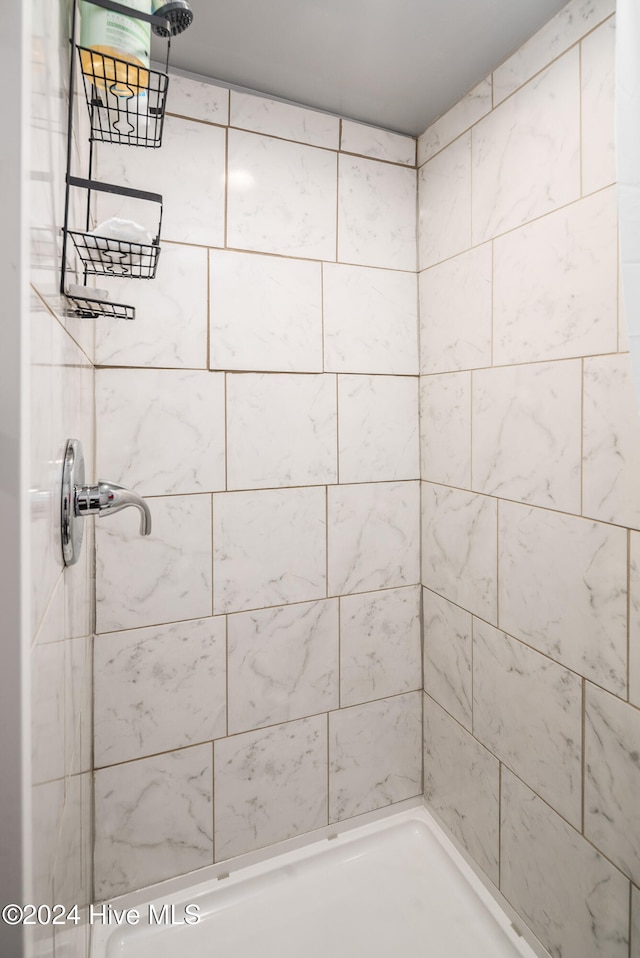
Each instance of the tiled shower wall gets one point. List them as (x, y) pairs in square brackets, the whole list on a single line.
[(531, 502), (257, 671)]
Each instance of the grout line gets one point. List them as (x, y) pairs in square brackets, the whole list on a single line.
[(629, 616), (497, 563), (583, 757), (207, 364), (226, 189), (213, 802), (339, 652), (580, 119), (582, 374), (328, 772), (226, 637), (338, 167), (499, 825)]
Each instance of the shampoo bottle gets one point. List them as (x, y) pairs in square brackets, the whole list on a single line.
[(116, 54)]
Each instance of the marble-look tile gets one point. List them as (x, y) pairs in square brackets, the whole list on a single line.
[(153, 820), (574, 607), (598, 108), (188, 172), (379, 645), (459, 548), (378, 428), (281, 197), (373, 536), (161, 431), (526, 153), (612, 779), (370, 320), (527, 710), (467, 111), (611, 442), (79, 591), (634, 618), (165, 577), (635, 922), (572, 898), (378, 144), (68, 874), (270, 785), (269, 548), (526, 433), (78, 705), (444, 203), (48, 694), (445, 429), (261, 115), (47, 804), (461, 786), (376, 214), (170, 328), (555, 285), (283, 664), (448, 655), (265, 313), (159, 689), (561, 32), (374, 755), (282, 430), (197, 100), (455, 312)]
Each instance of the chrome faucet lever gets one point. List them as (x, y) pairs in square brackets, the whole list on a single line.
[(108, 497)]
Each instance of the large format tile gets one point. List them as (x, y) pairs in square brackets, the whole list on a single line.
[(374, 755), (459, 559), (281, 197), (284, 120), (526, 433), (378, 428), (379, 644), (378, 144), (373, 536), (370, 320), (445, 429), (283, 664), (376, 214), (153, 820), (282, 430), (265, 313), (461, 786), (448, 655), (197, 100), (573, 899), (165, 577), (444, 202), (47, 699), (269, 548), (161, 431), (78, 707), (574, 607), (555, 285), (634, 618), (270, 785), (612, 779), (598, 108), (467, 111), (158, 689), (526, 153), (528, 711)]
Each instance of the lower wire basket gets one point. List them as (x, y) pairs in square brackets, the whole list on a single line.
[(86, 308)]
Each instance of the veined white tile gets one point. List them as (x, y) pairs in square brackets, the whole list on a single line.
[(447, 656), (635, 922), (378, 428), (282, 430), (555, 284), (269, 548), (48, 694), (261, 115), (445, 428), (47, 805), (161, 431), (378, 144), (270, 785), (197, 100), (455, 312), (370, 320), (574, 607), (526, 153), (373, 536), (374, 755), (459, 548), (158, 689), (598, 108), (572, 898), (265, 313), (164, 577), (467, 111), (153, 819), (78, 705), (376, 214), (461, 786), (283, 664), (527, 710), (634, 619), (444, 201), (379, 644), (281, 197), (526, 433)]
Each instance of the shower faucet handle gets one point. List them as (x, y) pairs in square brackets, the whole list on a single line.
[(107, 498)]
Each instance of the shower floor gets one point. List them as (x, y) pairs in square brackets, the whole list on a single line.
[(395, 887)]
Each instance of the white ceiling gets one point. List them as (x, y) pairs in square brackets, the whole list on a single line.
[(398, 64)]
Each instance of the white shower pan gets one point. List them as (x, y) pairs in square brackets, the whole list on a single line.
[(395, 887)]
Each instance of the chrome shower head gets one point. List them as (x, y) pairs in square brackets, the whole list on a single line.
[(177, 12)]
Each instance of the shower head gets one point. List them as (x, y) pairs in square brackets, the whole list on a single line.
[(177, 12)]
